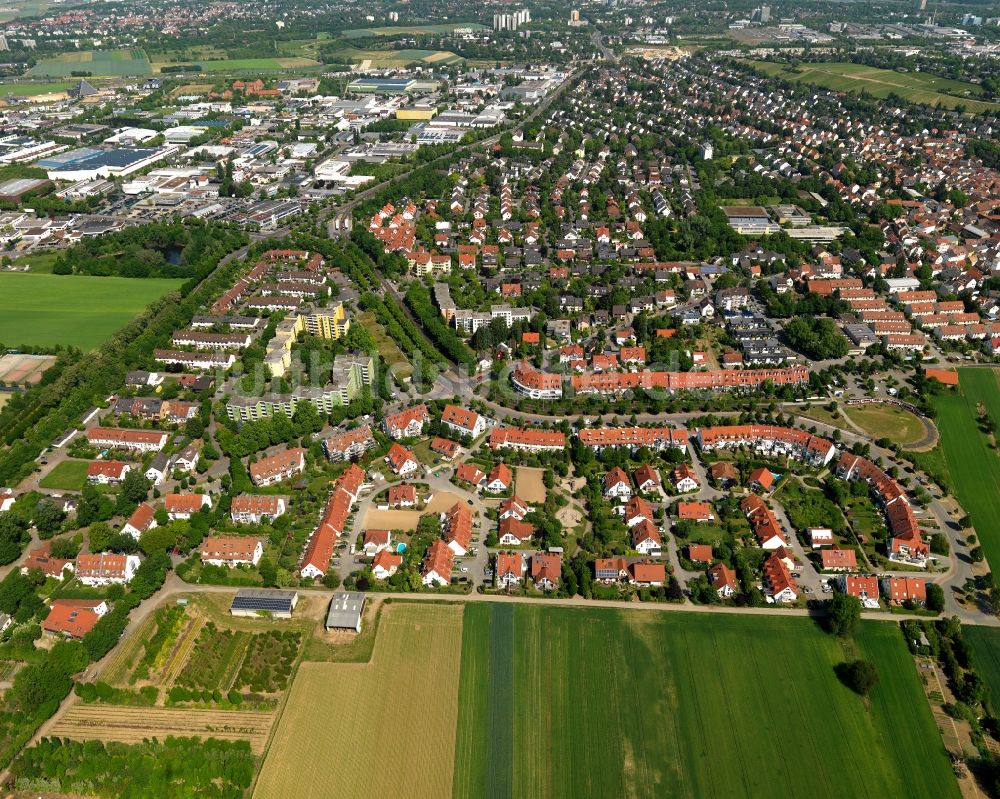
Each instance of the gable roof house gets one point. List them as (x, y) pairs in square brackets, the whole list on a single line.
[(723, 580), (275, 469), (406, 423), (401, 460), (143, 518), (106, 568), (617, 485), (438, 563), (499, 479), (509, 570), (231, 550), (546, 569), (463, 421)]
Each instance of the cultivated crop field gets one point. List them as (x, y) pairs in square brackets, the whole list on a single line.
[(77, 310), (887, 421), (985, 643), (565, 702), (917, 87), (247, 64), (974, 467), (84, 722), (377, 729), (110, 63), (389, 59), (66, 476)]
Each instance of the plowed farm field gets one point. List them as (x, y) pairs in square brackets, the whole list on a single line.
[(376, 729)]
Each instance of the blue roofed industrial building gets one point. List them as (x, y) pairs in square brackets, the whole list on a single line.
[(87, 163)]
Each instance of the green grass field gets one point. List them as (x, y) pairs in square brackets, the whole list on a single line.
[(32, 89), (66, 476), (973, 467), (108, 63), (887, 421), (985, 644), (78, 310), (565, 702), (917, 87), (248, 64)]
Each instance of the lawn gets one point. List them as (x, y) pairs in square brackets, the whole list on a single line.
[(377, 729), (566, 702), (78, 310), (67, 476), (110, 63), (887, 421), (387, 347), (973, 467), (32, 89), (917, 87)]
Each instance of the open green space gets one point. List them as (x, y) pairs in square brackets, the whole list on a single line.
[(887, 421), (973, 467), (916, 87), (411, 30), (985, 644), (67, 476), (387, 347), (108, 63), (32, 89), (567, 702), (81, 311), (250, 64)]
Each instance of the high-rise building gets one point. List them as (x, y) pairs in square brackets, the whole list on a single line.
[(511, 21), (3, 43)]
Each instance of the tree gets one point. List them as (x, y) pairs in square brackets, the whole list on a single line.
[(48, 518), (843, 614), (858, 675), (935, 597), (135, 486), (99, 535)]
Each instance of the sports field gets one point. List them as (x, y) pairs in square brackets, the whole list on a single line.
[(413, 30), (108, 63), (887, 421), (973, 466), (377, 729), (78, 310), (566, 702), (917, 87)]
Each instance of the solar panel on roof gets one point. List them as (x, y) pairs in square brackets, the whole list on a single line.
[(262, 603)]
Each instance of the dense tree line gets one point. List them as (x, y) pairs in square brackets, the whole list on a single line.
[(446, 338), (177, 768)]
